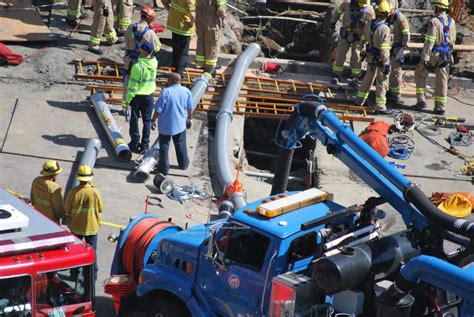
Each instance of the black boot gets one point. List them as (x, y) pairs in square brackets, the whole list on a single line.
[(420, 105)]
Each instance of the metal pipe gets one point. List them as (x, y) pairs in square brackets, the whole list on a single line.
[(110, 127), (150, 159), (224, 119), (91, 150)]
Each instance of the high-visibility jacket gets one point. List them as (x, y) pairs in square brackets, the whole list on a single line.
[(353, 20), (136, 34), (83, 206), (435, 38), (377, 35), (47, 197), (179, 20), (400, 30), (142, 78)]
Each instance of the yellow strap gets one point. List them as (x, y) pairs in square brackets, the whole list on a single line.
[(110, 224)]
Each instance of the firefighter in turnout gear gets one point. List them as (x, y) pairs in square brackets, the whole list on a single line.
[(210, 19), (378, 38), (123, 10), (401, 38), (355, 16), (181, 18), (436, 56), (102, 24), (137, 34), (46, 195)]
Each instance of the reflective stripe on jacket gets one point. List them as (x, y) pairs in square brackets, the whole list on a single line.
[(83, 206), (179, 20), (142, 78), (47, 197)]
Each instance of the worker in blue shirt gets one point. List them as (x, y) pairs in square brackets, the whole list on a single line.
[(173, 111)]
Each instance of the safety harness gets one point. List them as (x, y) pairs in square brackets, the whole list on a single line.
[(445, 50), (138, 36), (350, 35), (370, 46)]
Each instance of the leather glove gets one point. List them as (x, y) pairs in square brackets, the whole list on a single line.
[(153, 126), (386, 69), (333, 26), (188, 124), (363, 55)]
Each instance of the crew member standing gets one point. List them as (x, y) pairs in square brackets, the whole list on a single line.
[(141, 86), (377, 34), (136, 34), (210, 19), (436, 56), (401, 38), (46, 195), (123, 10), (173, 109), (83, 206), (355, 16), (102, 24), (181, 17)]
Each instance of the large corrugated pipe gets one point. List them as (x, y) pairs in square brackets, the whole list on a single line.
[(150, 159), (110, 127), (224, 119), (285, 154), (91, 150)]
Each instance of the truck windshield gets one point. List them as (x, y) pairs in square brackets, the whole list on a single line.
[(64, 292), (15, 296)]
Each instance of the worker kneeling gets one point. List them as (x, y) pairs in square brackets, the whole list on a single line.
[(141, 87), (377, 36)]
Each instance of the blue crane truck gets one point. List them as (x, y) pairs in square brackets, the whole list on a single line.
[(301, 253)]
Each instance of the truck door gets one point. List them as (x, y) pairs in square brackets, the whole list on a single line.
[(234, 281)]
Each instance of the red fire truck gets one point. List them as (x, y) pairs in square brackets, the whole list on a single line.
[(45, 271)]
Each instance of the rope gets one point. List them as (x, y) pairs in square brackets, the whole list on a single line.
[(401, 146)]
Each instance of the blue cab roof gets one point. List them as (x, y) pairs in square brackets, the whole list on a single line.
[(293, 219)]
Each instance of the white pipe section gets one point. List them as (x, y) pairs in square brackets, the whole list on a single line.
[(91, 150), (110, 127), (357, 233), (354, 243)]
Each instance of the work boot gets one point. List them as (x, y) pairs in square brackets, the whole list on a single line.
[(394, 100), (72, 23), (96, 50), (134, 148), (380, 110), (353, 82), (420, 105), (439, 111), (335, 80), (211, 71)]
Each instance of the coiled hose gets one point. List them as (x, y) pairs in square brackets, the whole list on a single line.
[(137, 243)]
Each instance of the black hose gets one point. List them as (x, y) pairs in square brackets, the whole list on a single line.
[(414, 195), (285, 155)]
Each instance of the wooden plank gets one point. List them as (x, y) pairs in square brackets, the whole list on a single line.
[(21, 22), (457, 48)]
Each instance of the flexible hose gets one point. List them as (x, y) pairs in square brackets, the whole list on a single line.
[(137, 243)]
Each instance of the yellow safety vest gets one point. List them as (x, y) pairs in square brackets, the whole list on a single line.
[(47, 197)]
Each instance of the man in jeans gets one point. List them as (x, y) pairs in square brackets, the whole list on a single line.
[(173, 111), (141, 87)]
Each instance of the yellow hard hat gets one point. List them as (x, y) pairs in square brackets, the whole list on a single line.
[(443, 4), (363, 3), (84, 173), (50, 168), (457, 206), (384, 8)]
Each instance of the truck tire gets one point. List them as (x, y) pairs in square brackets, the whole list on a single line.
[(168, 306)]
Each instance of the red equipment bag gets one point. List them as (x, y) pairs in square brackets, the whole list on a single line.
[(156, 27), (8, 57), (375, 135)]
